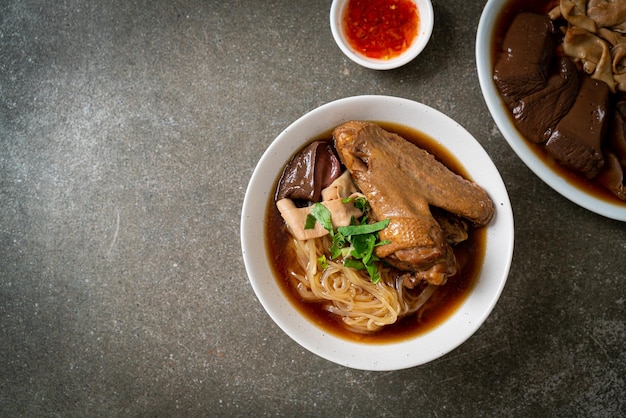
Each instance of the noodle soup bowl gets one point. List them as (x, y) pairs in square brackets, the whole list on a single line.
[(387, 355)]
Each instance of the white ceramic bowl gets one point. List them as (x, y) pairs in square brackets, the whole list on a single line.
[(500, 114), (425, 29), (471, 313)]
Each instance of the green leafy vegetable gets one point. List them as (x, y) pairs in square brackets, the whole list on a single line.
[(323, 262), (353, 263), (355, 242), (321, 214), (310, 221), (363, 229), (360, 202), (339, 241)]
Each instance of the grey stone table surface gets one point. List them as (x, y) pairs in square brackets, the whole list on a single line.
[(128, 132)]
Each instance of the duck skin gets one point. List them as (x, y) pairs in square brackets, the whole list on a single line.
[(401, 181)]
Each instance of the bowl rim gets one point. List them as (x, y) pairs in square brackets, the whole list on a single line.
[(470, 314), (427, 20), (521, 147)]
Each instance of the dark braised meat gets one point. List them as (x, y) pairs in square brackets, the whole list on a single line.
[(556, 78), (308, 172), (400, 181), (523, 65), (455, 229), (575, 143), (537, 114)]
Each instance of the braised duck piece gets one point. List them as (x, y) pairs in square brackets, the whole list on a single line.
[(537, 114), (523, 65), (401, 181), (577, 138)]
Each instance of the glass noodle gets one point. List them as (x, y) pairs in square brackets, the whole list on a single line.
[(363, 306)]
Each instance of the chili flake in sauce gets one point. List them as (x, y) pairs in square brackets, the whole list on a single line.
[(381, 29)]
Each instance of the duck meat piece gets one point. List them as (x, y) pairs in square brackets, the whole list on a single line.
[(575, 143), (400, 181), (523, 65), (537, 114), (381, 158), (455, 228)]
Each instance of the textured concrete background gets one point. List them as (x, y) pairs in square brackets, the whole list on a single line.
[(128, 132)]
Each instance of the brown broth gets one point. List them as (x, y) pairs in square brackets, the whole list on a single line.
[(590, 187), (443, 303)]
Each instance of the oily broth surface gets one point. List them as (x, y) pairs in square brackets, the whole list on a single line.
[(443, 303)]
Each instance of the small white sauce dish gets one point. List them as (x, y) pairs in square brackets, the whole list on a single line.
[(424, 32)]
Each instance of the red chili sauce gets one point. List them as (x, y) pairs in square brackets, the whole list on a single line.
[(381, 29)]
